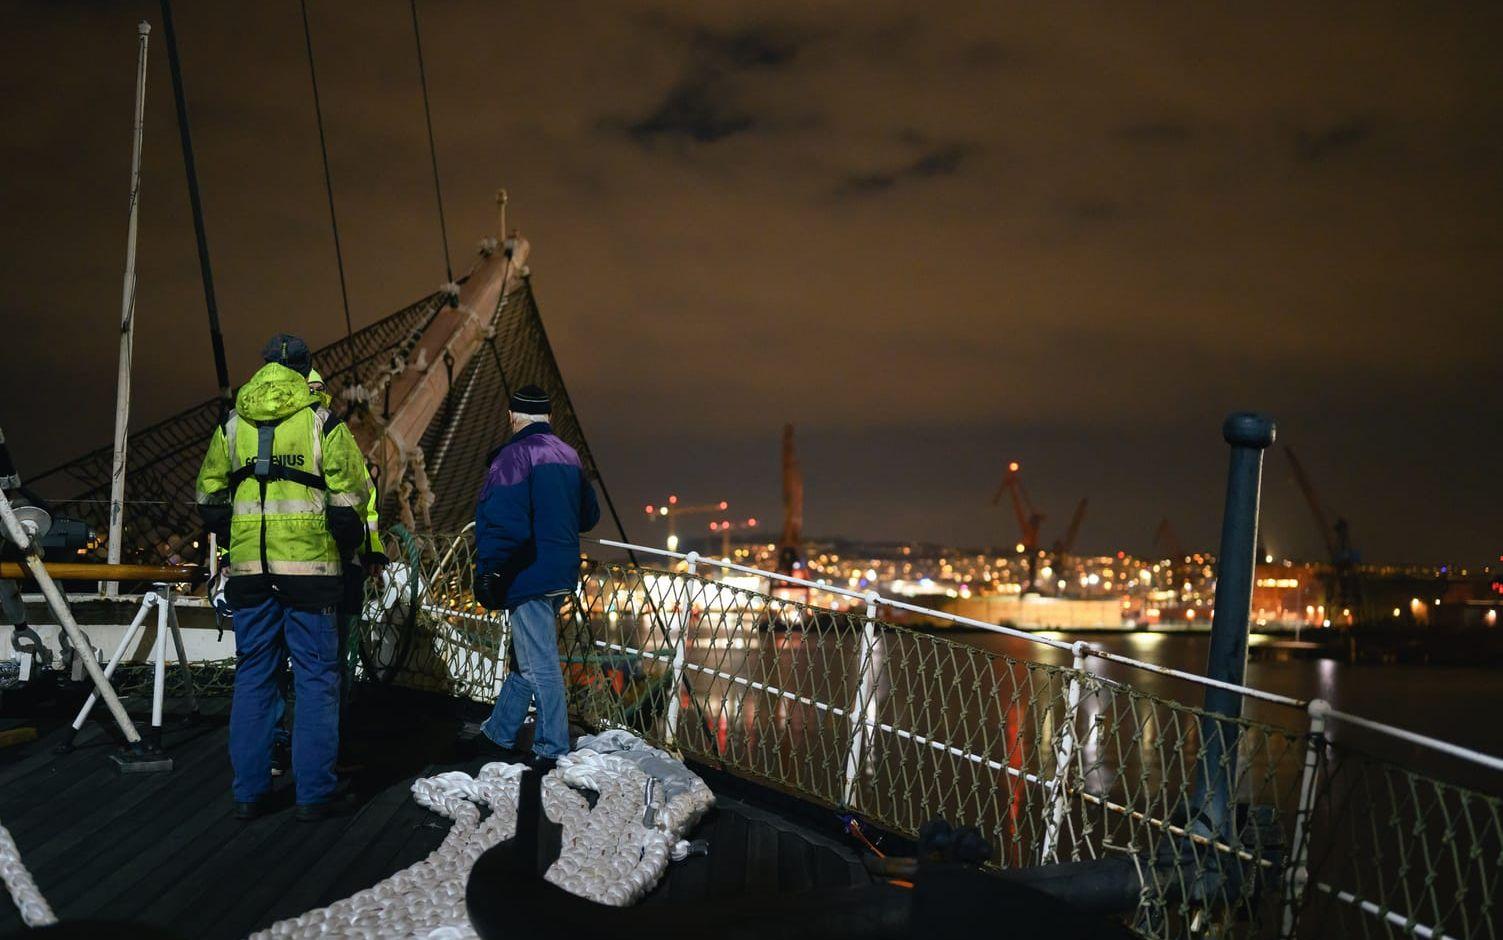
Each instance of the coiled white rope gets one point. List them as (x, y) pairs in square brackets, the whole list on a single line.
[(427, 899), (616, 852), (35, 912), (612, 854)]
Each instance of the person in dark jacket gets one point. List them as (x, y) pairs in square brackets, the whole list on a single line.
[(535, 502)]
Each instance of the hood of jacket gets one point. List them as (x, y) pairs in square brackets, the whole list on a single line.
[(273, 393)]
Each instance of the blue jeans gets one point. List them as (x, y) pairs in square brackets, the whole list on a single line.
[(535, 674), (264, 636)]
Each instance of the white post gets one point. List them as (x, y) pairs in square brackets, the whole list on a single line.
[(1296, 875), (127, 320), (676, 637), (159, 654), (182, 652), (109, 671), (863, 715), (1064, 756)]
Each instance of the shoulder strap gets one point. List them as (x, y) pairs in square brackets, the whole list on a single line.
[(263, 467)]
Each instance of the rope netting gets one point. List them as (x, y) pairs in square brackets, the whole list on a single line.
[(1051, 763), (161, 521)]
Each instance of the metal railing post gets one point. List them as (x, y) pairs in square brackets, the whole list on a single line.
[(1297, 873), (1249, 435), (1064, 756), (863, 716), (676, 638)]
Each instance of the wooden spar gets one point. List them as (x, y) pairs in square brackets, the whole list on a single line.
[(87, 571), (416, 395), (127, 319)]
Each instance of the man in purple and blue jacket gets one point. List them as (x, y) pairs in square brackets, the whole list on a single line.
[(534, 503)]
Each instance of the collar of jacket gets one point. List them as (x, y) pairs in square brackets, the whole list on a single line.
[(537, 427)]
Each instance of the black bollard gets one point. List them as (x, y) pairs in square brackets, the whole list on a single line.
[(1249, 435)]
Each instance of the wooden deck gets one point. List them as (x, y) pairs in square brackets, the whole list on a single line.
[(163, 850)]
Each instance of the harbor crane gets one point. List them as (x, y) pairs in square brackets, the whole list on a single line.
[(1345, 581), (1029, 520), (1164, 535), (1066, 544)]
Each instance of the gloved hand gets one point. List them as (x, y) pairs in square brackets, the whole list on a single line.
[(375, 563)]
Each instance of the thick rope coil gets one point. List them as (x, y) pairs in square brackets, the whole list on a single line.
[(616, 852), (35, 912), (427, 899)]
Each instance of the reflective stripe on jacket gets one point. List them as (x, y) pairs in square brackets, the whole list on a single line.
[(291, 524)]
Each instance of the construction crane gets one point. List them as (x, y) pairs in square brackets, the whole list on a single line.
[(1029, 520), (1066, 544), (1164, 535), (1345, 582)]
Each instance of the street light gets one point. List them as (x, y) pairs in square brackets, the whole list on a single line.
[(672, 509), (725, 527)]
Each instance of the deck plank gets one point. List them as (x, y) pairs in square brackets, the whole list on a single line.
[(165, 850)]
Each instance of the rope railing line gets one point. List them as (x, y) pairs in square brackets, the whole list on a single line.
[(1445, 747), (836, 710), (1476, 757), (843, 592)]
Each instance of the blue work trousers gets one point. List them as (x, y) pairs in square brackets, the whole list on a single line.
[(265, 635), (536, 675)]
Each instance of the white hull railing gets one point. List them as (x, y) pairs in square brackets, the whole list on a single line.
[(1063, 787), (1081, 773)]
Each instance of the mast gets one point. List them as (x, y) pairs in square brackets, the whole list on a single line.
[(190, 167), (127, 319)]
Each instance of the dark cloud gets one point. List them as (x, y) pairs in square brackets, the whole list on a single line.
[(706, 104), (1313, 146), (695, 109), (1006, 309), (943, 160)]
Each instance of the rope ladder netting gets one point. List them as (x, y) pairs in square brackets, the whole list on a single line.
[(161, 521)]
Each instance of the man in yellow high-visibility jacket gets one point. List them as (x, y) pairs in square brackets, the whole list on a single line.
[(285, 484)]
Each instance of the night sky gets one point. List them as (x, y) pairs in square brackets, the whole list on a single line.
[(935, 238)]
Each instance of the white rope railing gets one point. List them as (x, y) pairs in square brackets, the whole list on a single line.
[(694, 558)]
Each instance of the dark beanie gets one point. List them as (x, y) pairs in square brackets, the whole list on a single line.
[(530, 400), (290, 351)]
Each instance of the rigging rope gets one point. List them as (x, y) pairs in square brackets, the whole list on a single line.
[(323, 146), (438, 193)]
